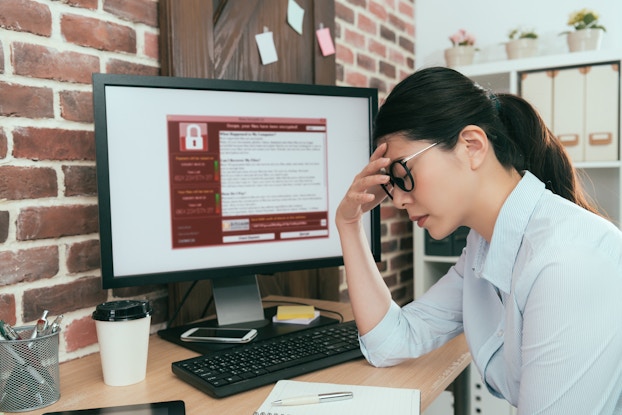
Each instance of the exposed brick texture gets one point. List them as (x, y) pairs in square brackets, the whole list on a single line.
[(375, 48), (7, 308), (85, 4), (63, 298), (80, 333), (151, 45), (49, 49), (83, 256), (26, 16), (53, 144), (28, 265), (76, 106), (136, 291), (4, 225), (98, 34), (49, 247), (38, 61), (80, 180), (18, 183), (139, 11), (382, 31), (3, 144), (56, 221), (129, 68), (26, 101)]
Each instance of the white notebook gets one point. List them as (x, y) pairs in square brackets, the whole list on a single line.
[(372, 400)]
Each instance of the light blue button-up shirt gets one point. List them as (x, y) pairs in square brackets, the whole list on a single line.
[(541, 308)]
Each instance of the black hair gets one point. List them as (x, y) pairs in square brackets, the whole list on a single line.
[(437, 103)]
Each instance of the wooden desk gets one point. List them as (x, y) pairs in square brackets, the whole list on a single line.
[(82, 384)]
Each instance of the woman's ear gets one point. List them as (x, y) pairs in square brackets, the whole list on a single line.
[(476, 143)]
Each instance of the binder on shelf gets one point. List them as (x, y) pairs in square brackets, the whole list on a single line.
[(580, 105), (451, 245)]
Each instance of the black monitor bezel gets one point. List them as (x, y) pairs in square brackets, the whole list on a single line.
[(101, 81)]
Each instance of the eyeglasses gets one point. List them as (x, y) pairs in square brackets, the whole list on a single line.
[(399, 174)]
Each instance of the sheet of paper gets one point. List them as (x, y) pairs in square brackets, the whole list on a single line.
[(267, 49), (295, 16), (372, 400), (326, 41)]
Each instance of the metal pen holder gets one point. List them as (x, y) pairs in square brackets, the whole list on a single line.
[(29, 376)]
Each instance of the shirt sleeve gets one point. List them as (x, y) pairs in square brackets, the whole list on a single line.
[(572, 337), (419, 327)]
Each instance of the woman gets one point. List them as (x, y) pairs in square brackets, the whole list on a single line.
[(538, 288)]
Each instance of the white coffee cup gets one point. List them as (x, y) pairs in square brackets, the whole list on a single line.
[(123, 336)]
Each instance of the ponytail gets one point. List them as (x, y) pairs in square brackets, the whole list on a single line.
[(539, 150), (437, 103)]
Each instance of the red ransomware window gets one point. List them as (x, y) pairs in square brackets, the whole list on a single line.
[(246, 180)]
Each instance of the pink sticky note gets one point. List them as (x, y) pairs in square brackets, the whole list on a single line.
[(326, 41)]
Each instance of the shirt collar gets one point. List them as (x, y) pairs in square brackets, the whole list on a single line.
[(509, 230)]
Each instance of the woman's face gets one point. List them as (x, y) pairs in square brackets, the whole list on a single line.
[(444, 185)]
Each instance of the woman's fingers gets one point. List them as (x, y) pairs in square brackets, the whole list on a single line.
[(365, 192)]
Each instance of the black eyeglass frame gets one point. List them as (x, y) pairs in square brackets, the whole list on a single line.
[(401, 181)]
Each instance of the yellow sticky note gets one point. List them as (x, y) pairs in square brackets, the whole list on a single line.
[(288, 312)]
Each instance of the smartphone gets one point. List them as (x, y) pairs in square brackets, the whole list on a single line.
[(218, 335)]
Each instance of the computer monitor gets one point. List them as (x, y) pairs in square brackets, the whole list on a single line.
[(224, 180)]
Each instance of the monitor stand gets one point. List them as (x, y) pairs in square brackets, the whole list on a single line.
[(238, 304)]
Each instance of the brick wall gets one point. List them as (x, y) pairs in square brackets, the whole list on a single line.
[(375, 47), (49, 248)]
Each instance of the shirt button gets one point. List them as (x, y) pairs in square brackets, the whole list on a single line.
[(500, 333)]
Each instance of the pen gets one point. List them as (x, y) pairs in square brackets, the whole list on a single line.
[(8, 332), (309, 399), (42, 325), (53, 328)]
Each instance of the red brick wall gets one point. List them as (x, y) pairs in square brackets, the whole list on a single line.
[(49, 248), (375, 47)]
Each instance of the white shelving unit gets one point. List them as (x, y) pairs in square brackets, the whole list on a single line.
[(602, 180)]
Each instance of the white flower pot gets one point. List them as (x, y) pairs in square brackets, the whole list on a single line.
[(586, 39), (459, 55), (521, 48)]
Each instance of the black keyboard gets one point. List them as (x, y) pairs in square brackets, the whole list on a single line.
[(255, 364)]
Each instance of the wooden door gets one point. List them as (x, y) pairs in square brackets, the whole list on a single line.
[(216, 39)]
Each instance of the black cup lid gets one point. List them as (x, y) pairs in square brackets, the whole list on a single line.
[(122, 310)]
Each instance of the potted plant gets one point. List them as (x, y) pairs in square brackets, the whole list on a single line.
[(523, 43), (587, 33), (462, 50)]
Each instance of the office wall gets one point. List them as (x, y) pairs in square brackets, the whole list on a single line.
[(375, 47), (48, 207), (49, 244)]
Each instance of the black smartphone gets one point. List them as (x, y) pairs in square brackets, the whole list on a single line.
[(218, 335)]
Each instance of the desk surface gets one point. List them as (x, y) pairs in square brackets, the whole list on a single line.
[(82, 383)]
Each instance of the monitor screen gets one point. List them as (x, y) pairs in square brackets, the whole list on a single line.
[(215, 179)]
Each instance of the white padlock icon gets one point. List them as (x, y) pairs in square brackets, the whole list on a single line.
[(194, 141)]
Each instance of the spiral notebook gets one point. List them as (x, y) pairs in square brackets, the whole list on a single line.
[(371, 400)]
